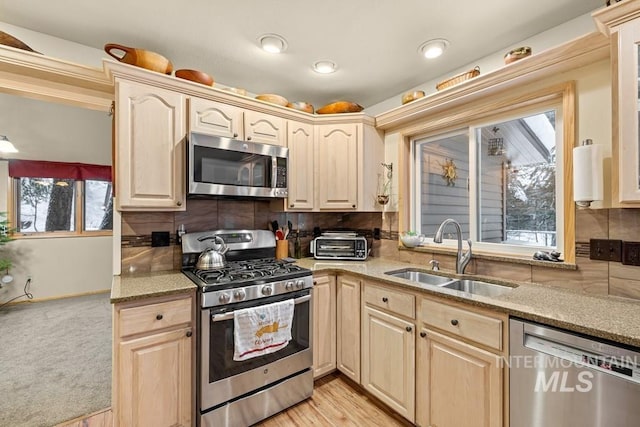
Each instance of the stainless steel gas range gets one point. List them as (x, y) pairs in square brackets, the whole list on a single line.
[(233, 393)]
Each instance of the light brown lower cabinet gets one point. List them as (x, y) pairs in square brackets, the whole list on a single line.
[(388, 361), (153, 362), (348, 327), (458, 385), (324, 324)]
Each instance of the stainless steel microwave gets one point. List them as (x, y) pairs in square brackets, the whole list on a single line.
[(225, 166)]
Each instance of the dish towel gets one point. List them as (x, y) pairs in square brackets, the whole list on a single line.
[(262, 330)]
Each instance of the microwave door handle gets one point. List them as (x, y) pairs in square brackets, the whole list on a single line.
[(229, 315)]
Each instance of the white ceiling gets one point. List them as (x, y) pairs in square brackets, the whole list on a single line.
[(374, 42)]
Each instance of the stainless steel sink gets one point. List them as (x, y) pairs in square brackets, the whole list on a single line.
[(420, 276), (477, 288)]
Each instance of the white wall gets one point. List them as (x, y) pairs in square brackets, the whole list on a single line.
[(56, 47), (561, 34), (47, 131)]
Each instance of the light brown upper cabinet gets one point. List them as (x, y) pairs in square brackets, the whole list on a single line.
[(215, 118), (337, 166), (150, 148), (622, 23), (300, 179)]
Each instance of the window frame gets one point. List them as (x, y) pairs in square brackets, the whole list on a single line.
[(12, 215), (470, 130), (499, 104)]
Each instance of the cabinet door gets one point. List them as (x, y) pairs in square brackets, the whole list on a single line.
[(264, 128), (628, 138), (336, 177), (324, 325), (388, 370), (348, 327), (300, 180), (214, 118), (459, 385), (155, 380), (150, 148)]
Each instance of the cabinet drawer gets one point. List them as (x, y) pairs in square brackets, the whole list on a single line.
[(466, 324), (151, 317), (391, 300)]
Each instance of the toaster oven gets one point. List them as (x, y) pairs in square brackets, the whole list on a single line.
[(346, 246)]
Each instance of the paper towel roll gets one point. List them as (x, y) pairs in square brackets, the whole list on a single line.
[(587, 173)]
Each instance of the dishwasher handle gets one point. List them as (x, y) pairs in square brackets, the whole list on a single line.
[(619, 366)]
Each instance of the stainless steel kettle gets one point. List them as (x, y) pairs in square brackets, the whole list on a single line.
[(213, 257)]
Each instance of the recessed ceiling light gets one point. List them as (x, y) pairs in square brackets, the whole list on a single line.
[(325, 67), (273, 43), (433, 48)]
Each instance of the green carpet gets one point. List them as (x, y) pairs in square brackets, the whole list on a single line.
[(55, 360)]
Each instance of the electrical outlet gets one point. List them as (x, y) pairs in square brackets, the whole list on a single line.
[(160, 238), (605, 250), (631, 253)]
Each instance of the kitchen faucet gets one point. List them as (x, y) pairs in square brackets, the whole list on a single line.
[(461, 259)]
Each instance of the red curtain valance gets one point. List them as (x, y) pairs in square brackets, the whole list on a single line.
[(59, 170)]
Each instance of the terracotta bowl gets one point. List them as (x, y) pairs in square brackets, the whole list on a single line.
[(195, 76), (273, 99)]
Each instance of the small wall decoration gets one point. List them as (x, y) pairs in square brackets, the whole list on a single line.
[(449, 172), (496, 144)]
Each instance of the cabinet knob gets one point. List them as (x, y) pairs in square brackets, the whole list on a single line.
[(189, 333), (409, 328), (179, 203), (454, 322), (385, 299), (353, 206), (291, 205), (423, 334), (235, 134), (315, 283), (159, 317), (248, 138)]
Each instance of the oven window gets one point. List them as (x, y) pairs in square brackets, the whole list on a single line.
[(227, 167), (221, 344), (336, 247)]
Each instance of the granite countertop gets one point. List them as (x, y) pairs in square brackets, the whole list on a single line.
[(148, 285), (612, 318)]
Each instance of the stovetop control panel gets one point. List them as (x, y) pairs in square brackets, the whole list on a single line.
[(255, 291)]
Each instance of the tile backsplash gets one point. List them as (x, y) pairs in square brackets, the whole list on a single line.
[(206, 214), (594, 277)]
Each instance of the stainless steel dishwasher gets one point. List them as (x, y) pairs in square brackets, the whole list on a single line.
[(561, 379)]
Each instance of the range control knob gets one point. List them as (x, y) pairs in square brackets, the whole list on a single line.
[(239, 295), (300, 284), (224, 298), (289, 286), (267, 290)]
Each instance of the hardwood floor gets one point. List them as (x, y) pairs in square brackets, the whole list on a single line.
[(336, 402), (97, 419)]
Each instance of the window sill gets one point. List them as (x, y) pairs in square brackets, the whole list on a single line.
[(59, 235), (492, 256)]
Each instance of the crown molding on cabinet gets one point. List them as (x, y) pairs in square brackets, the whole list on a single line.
[(140, 75), (619, 13), (38, 76), (576, 53)]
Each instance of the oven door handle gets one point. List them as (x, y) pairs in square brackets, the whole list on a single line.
[(229, 315)]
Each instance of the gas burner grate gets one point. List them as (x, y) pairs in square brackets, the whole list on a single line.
[(237, 271)]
